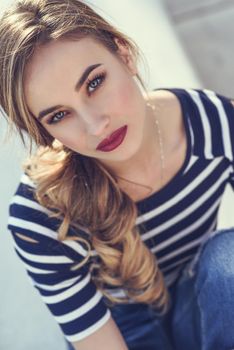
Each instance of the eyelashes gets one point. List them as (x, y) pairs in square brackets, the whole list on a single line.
[(89, 82), (93, 83)]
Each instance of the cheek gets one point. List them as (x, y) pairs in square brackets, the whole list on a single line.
[(70, 137), (124, 97)]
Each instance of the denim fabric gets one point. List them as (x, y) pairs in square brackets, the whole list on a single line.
[(201, 316)]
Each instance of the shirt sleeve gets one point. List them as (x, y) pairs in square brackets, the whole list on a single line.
[(70, 295), (226, 111), (232, 137), (219, 125)]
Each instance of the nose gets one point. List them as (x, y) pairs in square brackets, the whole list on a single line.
[(96, 124)]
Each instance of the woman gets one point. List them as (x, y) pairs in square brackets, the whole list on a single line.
[(115, 214)]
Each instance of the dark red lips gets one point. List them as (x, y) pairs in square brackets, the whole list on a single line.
[(113, 141)]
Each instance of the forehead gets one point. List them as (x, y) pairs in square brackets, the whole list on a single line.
[(59, 62), (63, 53)]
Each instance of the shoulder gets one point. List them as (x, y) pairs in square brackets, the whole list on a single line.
[(34, 229), (169, 109), (170, 97), (210, 115), (26, 215), (170, 115), (165, 100), (212, 119)]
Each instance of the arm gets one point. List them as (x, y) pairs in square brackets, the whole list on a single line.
[(105, 338)]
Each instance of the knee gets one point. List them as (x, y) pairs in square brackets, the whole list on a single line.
[(216, 262)]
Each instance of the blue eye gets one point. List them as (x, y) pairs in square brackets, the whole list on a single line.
[(58, 115), (94, 84)]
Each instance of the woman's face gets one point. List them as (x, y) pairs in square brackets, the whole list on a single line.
[(107, 96)]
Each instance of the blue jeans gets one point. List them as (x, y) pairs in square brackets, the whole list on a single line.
[(201, 316)]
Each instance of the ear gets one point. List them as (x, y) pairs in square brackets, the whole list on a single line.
[(126, 56)]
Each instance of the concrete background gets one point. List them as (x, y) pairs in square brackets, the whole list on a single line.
[(205, 29), (186, 44)]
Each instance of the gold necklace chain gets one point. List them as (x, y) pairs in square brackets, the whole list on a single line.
[(161, 148), (161, 151)]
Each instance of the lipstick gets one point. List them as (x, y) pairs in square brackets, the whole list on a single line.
[(113, 141)]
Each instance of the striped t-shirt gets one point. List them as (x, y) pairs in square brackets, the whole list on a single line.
[(173, 221)]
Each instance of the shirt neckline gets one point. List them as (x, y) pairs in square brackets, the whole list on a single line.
[(141, 204)]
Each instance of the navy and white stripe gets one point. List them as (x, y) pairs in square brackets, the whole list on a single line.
[(173, 222)]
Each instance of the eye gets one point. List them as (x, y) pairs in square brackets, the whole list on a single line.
[(58, 115), (95, 83)]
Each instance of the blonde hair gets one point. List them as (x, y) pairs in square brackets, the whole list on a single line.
[(77, 189)]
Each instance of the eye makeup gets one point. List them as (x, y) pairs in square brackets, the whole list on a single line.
[(93, 83)]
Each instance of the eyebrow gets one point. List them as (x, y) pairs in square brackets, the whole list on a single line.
[(78, 85)]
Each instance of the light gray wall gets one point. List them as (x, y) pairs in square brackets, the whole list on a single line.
[(205, 28)]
